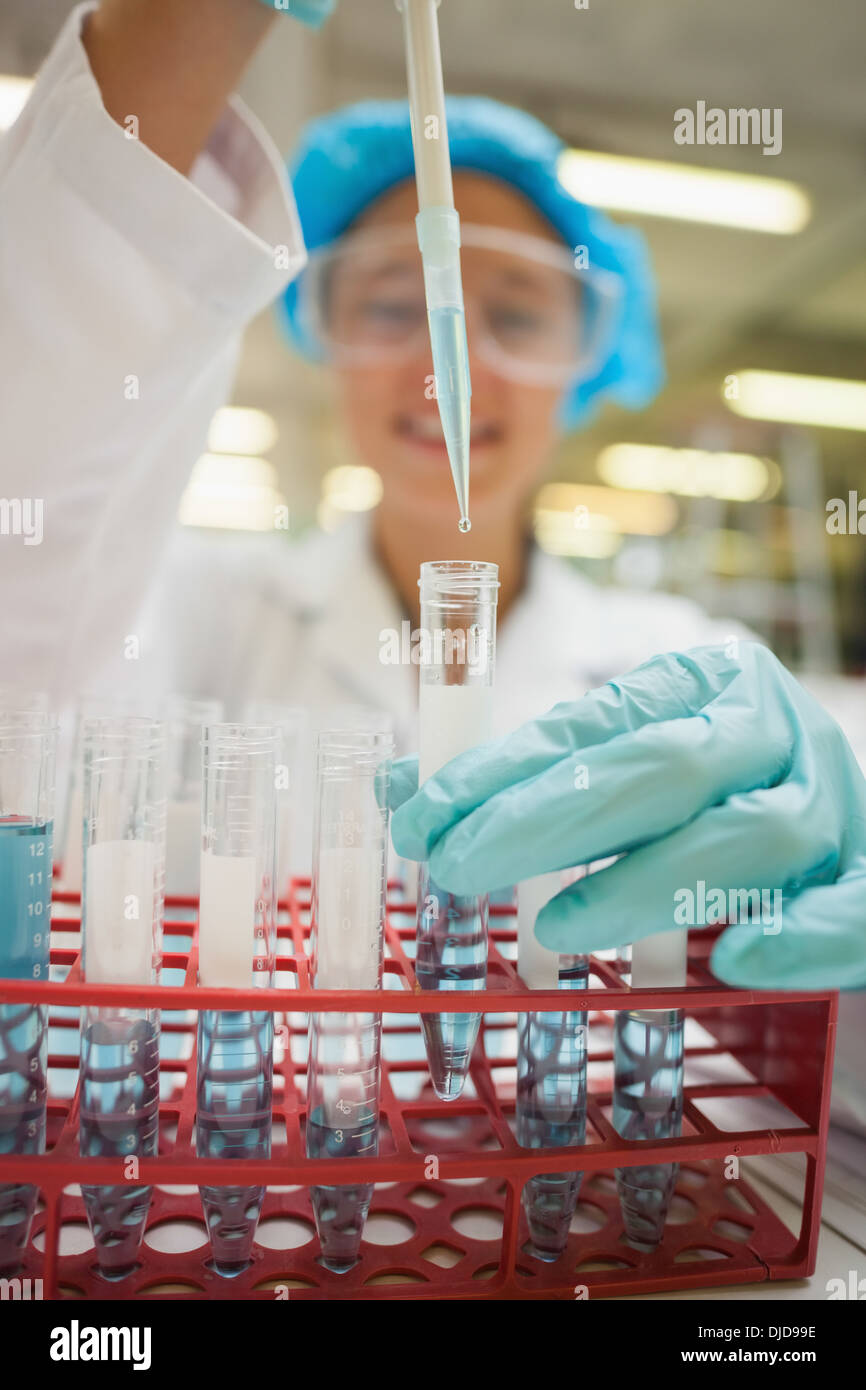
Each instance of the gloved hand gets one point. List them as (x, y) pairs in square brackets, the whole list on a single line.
[(705, 768), (312, 12)]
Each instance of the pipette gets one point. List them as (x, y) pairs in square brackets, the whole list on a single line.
[(438, 225)]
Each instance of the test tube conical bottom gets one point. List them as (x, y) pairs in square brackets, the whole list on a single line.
[(17, 1206), (550, 1201), (449, 1040), (644, 1198), (232, 1217), (117, 1217), (341, 1214)]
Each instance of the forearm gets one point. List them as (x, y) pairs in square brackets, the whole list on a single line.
[(172, 64)]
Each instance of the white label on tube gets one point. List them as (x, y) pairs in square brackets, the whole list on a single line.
[(659, 962), (537, 967), (348, 918), (452, 718), (182, 847), (119, 912), (227, 920)]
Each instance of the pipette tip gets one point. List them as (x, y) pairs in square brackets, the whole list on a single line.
[(464, 524)]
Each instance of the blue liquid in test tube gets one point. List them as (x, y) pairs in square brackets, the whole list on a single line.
[(122, 910), (25, 896), (648, 1085), (348, 917), (456, 675), (647, 1104), (551, 1108), (237, 948)]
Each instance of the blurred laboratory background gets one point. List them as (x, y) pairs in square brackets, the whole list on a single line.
[(721, 489)]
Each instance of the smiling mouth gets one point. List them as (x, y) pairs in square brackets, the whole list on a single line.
[(425, 432)]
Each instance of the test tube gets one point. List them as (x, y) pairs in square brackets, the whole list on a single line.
[(185, 719), (121, 916), (350, 851), (550, 1106), (648, 1086), (90, 706), (28, 742), (236, 948), (457, 654), (292, 725)]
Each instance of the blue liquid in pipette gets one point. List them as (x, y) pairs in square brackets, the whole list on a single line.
[(119, 1119), (647, 1104), (450, 954), (235, 1084), (453, 393), (551, 1108), (25, 897), (343, 1122)]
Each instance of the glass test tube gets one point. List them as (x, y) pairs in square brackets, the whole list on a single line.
[(350, 852), (28, 742), (551, 1071), (648, 1086), (185, 719), (88, 707), (237, 935), (457, 654), (292, 725), (121, 914)]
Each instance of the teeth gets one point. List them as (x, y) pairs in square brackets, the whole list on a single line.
[(429, 427), (425, 426)]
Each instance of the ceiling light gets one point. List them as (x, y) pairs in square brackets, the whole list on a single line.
[(232, 492), (799, 400), (589, 507), (238, 429), (688, 472), (348, 488), (657, 188)]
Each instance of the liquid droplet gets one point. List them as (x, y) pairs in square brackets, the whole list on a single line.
[(464, 524)]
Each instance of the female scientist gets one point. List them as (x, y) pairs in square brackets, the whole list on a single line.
[(133, 254)]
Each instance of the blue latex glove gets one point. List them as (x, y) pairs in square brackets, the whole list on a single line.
[(704, 767), (312, 12)]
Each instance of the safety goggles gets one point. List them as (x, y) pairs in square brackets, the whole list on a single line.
[(535, 314)]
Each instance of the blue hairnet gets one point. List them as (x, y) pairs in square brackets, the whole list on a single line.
[(349, 158)]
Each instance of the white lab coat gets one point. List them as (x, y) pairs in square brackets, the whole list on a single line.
[(125, 289)]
